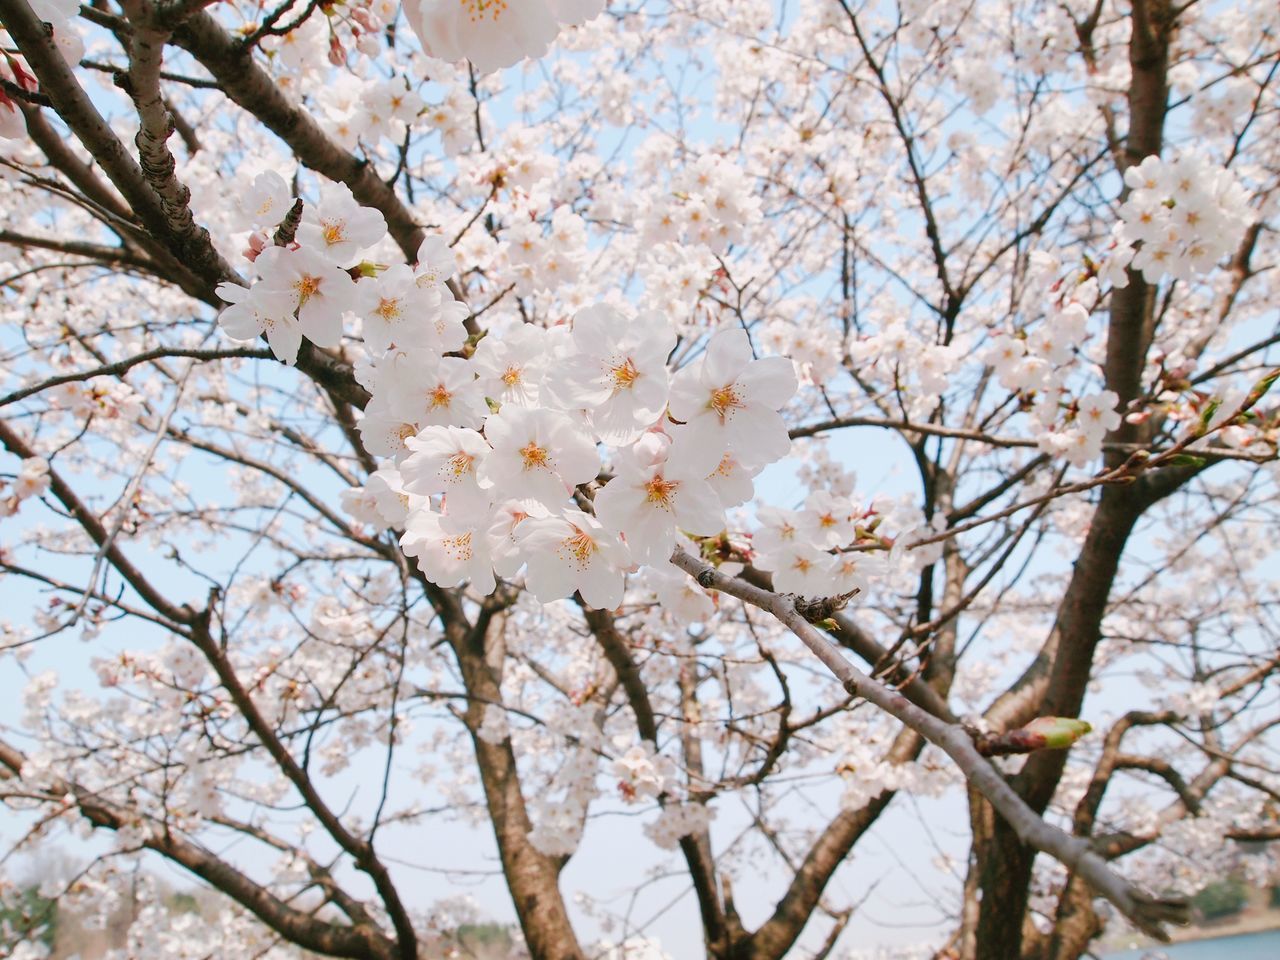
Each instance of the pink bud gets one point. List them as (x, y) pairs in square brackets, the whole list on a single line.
[(257, 243), (337, 55), (1140, 416), (365, 18)]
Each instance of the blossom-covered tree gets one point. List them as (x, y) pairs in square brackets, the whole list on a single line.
[(700, 436)]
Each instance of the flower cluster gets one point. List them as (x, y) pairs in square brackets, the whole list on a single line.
[(678, 820), (493, 449), (1081, 440), (305, 288), (1183, 216), (642, 774), (711, 201), (512, 486)]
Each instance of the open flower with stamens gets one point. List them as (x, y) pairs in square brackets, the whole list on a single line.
[(678, 594), (511, 367), (439, 393), (493, 34), (263, 203), (253, 312), (445, 461), (436, 263), (450, 551), (541, 454), (648, 499), (779, 530), (618, 370), (733, 482), (391, 500), (385, 433), (729, 403), (1097, 415), (504, 534), (306, 281), (339, 228), (826, 520), (392, 305), (802, 569), (573, 552)]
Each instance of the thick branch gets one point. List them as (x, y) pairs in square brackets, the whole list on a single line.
[(1146, 912)]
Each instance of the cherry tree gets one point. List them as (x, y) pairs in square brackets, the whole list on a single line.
[(695, 436)]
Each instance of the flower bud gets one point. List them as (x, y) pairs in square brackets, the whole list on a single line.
[(1058, 733)]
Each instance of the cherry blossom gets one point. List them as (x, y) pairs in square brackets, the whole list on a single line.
[(255, 312), (393, 307), (306, 281), (728, 403), (440, 392), (265, 203), (648, 499), (446, 460), (539, 454), (511, 369), (721, 413), (573, 552), (449, 550), (618, 370), (494, 33), (338, 227)]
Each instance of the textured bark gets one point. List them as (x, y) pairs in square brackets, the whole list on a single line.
[(1056, 682), (252, 88), (196, 267), (156, 126), (532, 877)]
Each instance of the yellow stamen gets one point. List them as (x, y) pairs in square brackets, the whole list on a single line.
[(307, 287), (660, 490), (458, 547), (534, 456), (580, 547), (459, 464), (333, 231), (388, 309), (624, 375), (724, 400), (478, 10)]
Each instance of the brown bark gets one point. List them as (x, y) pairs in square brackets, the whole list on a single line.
[(248, 85), (1055, 684), (532, 876)]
